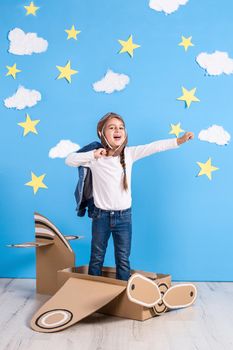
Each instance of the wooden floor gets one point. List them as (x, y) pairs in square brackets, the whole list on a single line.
[(208, 325)]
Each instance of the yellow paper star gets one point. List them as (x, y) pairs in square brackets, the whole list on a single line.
[(186, 42), (188, 96), (36, 182), (72, 33), (31, 9), (176, 129), (29, 125), (66, 72), (12, 71), (128, 46), (206, 168)]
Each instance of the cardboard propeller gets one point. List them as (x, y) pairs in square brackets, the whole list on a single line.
[(143, 291)]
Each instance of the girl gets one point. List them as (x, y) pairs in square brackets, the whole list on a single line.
[(111, 173)]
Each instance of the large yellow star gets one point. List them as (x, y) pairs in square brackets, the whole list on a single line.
[(188, 96), (31, 9), (128, 46), (36, 182), (66, 72), (206, 168), (175, 129), (186, 42), (72, 33), (12, 71), (29, 125)]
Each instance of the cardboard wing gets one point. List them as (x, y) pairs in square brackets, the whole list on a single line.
[(76, 299)]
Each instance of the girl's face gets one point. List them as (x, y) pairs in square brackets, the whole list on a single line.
[(114, 132)]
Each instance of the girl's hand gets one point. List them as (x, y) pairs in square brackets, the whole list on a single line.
[(186, 137), (100, 152)]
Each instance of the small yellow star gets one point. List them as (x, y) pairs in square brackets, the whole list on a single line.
[(31, 9), (128, 46), (72, 33), (12, 71), (186, 42), (206, 168), (36, 182), (188, 97), (175, 129), (66, 72), (29, 125)]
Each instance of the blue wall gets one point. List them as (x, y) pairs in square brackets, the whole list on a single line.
[(182, 224)]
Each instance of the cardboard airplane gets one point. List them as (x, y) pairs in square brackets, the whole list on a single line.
[(75, 294)]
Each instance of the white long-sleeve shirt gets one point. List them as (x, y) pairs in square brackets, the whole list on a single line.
[(107, 172)]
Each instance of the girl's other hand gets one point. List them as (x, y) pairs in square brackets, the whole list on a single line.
[(186, 137), (100, 152)]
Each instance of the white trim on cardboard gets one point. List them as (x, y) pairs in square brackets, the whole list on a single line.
[(135, 275), (65, 314), (43, 218), (44, 230)]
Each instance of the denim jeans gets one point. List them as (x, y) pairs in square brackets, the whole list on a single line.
[(119, 223)]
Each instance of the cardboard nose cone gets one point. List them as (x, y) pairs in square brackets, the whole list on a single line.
[(143, 291), (161, 307), (180, 295)]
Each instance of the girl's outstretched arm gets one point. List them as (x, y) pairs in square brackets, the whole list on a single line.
[(76, 159), (141, 151)]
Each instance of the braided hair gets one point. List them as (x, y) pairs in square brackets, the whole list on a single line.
[(120, 152), (122, 161)]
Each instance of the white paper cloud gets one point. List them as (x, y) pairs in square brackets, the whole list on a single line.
[(25, 43), (111, 82), (63, 148), (215, 134), (215, 63), (167, 6), (23, 98)]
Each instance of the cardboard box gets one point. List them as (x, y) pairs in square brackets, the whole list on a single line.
[(121, 306)]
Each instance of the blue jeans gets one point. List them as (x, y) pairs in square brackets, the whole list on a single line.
[(119, 223)]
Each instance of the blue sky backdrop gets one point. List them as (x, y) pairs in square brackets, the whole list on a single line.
[(182, 224)]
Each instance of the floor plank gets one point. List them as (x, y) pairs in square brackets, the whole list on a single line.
[(208, 325)]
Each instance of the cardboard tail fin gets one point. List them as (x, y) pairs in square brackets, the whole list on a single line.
[(54, 253), (50, 259)]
